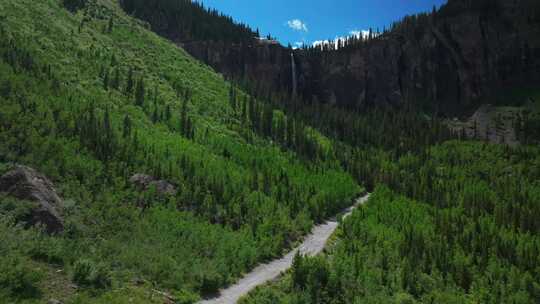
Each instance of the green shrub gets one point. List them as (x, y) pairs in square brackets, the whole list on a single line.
[(17, 278), (210, 283), (46, 248), (19, 210), (186, 297), (87, 273), (4, 168), (404, 298)]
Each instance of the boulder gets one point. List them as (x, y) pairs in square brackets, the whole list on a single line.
[(25, 183), (141, 181), (145, 182), (164, 187)]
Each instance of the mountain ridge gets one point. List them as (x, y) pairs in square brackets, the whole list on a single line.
[(451, 59)]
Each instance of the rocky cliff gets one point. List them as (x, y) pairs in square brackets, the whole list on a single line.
[(447, 59), (25, 183), (451, 58), (268, 64)]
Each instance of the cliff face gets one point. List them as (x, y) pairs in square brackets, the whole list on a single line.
[(452, 58), (447, 59), (268, 64)]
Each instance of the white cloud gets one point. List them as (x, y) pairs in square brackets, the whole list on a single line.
[(359, 33), (297, 25), (298, 44), (354, 33), (320, 42)]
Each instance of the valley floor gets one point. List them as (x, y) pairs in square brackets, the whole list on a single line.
[(312, 245)]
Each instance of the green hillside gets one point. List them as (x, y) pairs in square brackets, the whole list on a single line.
[(458, 226), (90, 97), (95, 101)]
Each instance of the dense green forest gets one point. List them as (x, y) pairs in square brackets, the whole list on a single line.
[(186, 20), (90, 97), (464, 230)]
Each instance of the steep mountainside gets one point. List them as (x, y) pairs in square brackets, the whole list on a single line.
[(130, 172), (158, 174), (449, 59)]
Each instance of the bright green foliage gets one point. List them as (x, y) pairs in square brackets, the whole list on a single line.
[(17, 278), (475, 239), (89, 107), (90, 97), (87, 273)]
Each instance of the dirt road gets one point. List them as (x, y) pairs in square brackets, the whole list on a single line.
[(312, 245)]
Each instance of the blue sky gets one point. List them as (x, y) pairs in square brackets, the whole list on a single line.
[(293, 21)]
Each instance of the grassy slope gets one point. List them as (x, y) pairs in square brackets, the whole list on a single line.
[(172, 250)]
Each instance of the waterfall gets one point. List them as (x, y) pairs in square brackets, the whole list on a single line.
[(294, 83)]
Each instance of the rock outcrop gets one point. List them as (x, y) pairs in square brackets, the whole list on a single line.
[(145, 182), (25, 183), (450, 59)]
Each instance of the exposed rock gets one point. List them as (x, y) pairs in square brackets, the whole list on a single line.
[(138, 281), (25, 183), (54, 301), (145, 182), (141, 180), (489, 123), (455, 57), (164, 187)]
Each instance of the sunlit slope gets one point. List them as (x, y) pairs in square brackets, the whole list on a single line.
[(92, 97)]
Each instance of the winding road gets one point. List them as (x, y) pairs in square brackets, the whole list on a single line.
[(312, 245)]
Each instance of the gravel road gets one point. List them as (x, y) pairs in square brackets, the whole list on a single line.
[(312, 245)]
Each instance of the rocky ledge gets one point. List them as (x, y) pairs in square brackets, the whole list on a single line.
[(25, 183)]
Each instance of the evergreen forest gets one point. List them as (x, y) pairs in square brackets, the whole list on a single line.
[(92, 96)]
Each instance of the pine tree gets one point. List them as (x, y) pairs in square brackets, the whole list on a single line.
[(106, 80), (74, 5), (232, 98), (185, 121), (107, 142), (253, 113), (110, 25), (155, 114), (268, 117), (114, 61), (116, 79), (140, 93), (244, 110), (168, 113), (298, 272), (190, 130), (127, 127), (129, 82), (155, 94)]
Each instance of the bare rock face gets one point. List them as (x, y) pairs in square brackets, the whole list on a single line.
[(452, 58), (26, 183), (145, 182)]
